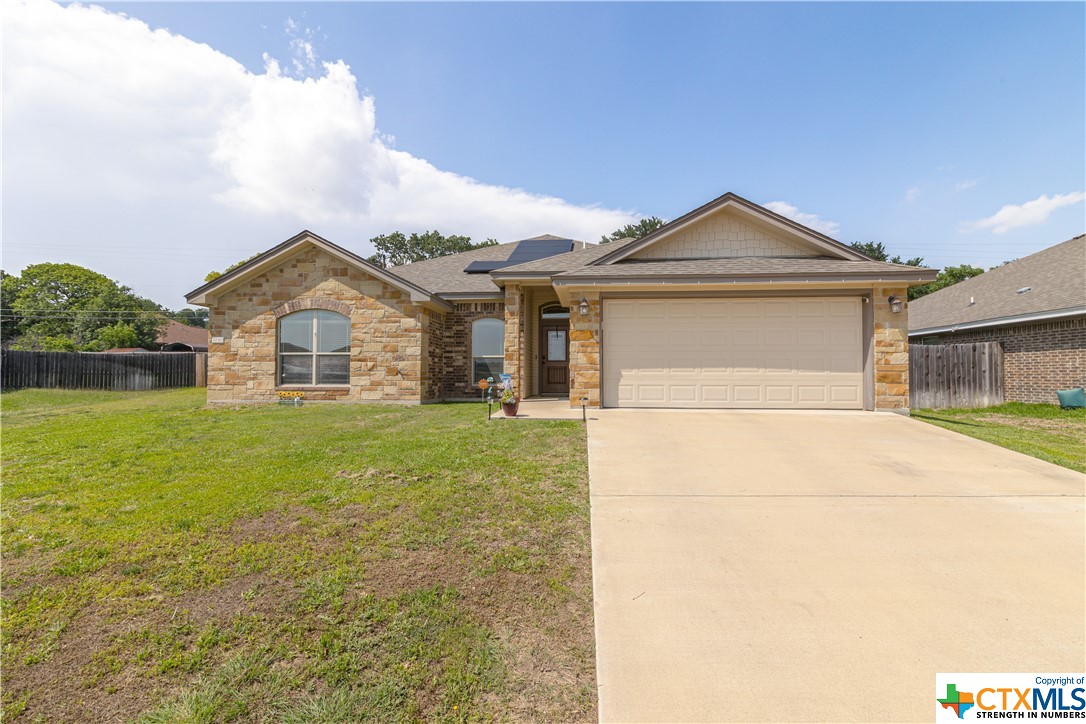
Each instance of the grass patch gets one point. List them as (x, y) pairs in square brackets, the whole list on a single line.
[(1041, 431), (166, 561)]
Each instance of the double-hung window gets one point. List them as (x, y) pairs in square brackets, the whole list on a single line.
[(487, 348), (314, 348)]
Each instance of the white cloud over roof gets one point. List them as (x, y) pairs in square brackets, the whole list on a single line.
[(122, 137), (1030, 213)]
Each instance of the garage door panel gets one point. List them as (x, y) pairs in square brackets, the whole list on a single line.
[(773, 353), (811, 393)]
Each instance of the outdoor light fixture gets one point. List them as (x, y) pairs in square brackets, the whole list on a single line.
[(584, 307), (896, 305), (584, 412)]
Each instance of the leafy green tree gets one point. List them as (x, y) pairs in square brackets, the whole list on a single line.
[(118, 335), (878, 252), (191, 317), (62, 307), (396, 248), (947, 277), (213, 275), (634, 231)]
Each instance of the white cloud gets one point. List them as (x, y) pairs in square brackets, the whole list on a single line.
[(154, 158), (813, 221), (304, 58), (966, 184), (912, 194), (1030, 213)]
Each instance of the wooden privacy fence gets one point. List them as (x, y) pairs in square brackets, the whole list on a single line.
[(79, 370), (955, 375)]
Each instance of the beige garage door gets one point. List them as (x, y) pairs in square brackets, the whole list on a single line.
[(754, 353)]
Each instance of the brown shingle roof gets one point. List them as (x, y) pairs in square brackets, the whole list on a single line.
[(564, 262), (1056, 278), (174, 332), (445, 274), (750, 266)]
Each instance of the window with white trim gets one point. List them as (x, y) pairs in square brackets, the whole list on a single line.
[(315, 348), (487, 348)]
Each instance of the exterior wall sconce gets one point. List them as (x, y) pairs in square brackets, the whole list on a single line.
[(584, 307), (897, 306)]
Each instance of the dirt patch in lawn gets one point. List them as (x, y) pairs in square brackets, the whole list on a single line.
[(1069, 426), (108, 661), (92, 676)]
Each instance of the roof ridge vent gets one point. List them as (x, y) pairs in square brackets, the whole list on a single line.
[(1023, 290)]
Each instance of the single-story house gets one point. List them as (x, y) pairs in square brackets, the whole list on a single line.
[(1034, 307), (729, 305), (177, 337)]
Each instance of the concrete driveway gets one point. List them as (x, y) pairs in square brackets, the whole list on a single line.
[(821, 566)]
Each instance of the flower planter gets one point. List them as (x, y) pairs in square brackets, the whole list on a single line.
[(510, 408)]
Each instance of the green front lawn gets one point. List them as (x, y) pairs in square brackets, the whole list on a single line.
[(165, 561), (1042, 431)]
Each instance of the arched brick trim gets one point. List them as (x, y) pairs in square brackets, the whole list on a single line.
[(298, 305)]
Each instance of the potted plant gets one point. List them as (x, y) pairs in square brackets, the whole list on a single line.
[(510, 402)]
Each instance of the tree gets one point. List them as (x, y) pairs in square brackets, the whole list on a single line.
[(395, 249), (118, 335), (63, 307), (634, 231), (191, 317), (213, 275), (947, 277), (878, 252)]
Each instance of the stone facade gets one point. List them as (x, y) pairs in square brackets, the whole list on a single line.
[(891, 351), (1038, 358), (455, 377), (406, 353), (387, 333), (515, 343), (584, 351)]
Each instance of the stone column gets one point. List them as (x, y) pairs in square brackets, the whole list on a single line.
[(584, 350), (891, 351), (514, 308)]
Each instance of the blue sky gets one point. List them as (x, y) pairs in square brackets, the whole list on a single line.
[(913, 124)]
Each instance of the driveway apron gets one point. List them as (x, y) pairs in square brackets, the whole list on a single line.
[(791, 566)]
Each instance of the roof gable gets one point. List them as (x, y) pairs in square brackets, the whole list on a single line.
[(269, 259), (730, 226), (727, 234)]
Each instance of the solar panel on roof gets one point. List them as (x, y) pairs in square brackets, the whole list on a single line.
[(524, 251), (485, 267), (532, 249)]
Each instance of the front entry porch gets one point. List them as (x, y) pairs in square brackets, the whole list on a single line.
[(537, 344)]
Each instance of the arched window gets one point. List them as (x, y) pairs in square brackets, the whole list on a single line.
[(487, 348), (314, 348), (554, 311)]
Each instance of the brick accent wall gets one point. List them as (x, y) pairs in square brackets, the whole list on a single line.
[(891, 351), (584, 350), (386, 332), (1038, 358), (433, 366), (454, 373)]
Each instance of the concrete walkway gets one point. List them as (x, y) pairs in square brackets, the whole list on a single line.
[(821, 566)]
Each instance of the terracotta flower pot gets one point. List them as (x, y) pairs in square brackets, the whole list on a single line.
[(510, 408)]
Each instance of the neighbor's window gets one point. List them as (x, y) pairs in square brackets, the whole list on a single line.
[(487, 348), (314, 348)]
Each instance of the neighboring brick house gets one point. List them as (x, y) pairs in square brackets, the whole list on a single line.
[(1034, 307), (730, 305)]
